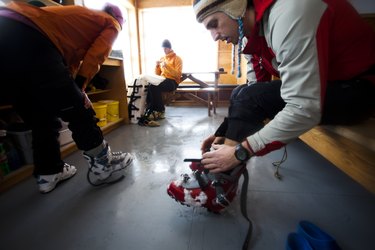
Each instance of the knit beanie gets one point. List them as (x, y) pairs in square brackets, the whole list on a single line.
[(166, 44), (233, 8), (115, 12)]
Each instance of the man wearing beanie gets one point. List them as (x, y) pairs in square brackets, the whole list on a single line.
[(327, 76), (168, 71), (61, 49)]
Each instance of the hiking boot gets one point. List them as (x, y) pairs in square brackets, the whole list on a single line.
[(203, 189), (47, 183), (152, 115), (107, 167), (156, 115), (148, 119), (161, 115), (148, 123), (147, 114)]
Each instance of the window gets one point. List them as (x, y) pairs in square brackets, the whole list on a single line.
[(190, 40)]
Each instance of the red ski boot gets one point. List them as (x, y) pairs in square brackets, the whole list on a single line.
[(212, 191)]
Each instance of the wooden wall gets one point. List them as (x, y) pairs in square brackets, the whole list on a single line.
[(225, 61)]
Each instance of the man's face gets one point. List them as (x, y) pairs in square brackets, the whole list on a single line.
[(222, 27), (167, 50)]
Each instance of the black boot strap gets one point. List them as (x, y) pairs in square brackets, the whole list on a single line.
[(244, 188), (202, 179)]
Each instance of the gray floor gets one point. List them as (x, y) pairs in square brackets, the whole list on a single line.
[(137, 214)]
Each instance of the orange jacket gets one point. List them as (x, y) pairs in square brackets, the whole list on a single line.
[(80, 34), (173, 67)]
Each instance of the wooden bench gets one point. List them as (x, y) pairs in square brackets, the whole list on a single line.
[(350, 148), (192, 93)]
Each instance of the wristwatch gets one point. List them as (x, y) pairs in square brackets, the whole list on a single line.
[(241, 153)]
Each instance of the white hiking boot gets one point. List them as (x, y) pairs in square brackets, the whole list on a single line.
[(107, 167), (47, 183)]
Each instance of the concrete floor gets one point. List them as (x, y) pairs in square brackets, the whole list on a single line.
[(137, 213)]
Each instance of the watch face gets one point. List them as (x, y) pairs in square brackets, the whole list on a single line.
[(241, 153)]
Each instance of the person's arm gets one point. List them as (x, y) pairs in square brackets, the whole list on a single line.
[(97, 53), (291, 33), (157, 67)]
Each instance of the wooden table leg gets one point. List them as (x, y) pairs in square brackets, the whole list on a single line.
[(209, 106), (214, 101)]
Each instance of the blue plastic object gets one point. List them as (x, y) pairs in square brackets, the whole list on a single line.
[(318, 239), (297, 242)]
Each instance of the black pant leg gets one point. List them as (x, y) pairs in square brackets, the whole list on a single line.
[(251, 106), (348, 102), (154, 94)]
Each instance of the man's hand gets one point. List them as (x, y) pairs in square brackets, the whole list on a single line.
[(221, 159)]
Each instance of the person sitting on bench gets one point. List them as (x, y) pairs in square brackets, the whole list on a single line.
[(168, 72)]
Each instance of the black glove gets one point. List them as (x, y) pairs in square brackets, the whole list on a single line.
[(80, 81)]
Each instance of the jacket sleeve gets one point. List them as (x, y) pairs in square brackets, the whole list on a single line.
[(98, 52), (291, 33)]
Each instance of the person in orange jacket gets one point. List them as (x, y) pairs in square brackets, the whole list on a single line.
[(168, 71), (48, 55)]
